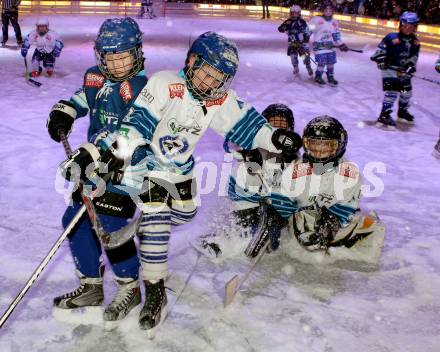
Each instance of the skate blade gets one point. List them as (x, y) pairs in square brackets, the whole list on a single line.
[(405, 122), (151, 333), (385, 127)]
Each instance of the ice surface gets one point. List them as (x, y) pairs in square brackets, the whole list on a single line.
[(292, 302)]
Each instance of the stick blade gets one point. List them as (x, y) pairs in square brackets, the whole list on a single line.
[(230, 290)]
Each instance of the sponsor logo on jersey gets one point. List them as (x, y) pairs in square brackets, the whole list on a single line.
[(94, 80), (146, 96), (300, 170), (176, 128), (125, 91), (219, 101), (396, 41), (349, 170), (176, 90)]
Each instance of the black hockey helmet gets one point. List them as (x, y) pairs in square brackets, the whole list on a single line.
[(281, 111), (324, 140)]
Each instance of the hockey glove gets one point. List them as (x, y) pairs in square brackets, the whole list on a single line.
[(409, 69), (287, 141), (343, 47), (87, 161), (380, 60), (24, 52), (56, 52), (61, 117), (437, 66), (326, 227), (253, 160)]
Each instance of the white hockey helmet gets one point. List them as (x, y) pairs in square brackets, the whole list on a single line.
[(296, 9), (42, 22)]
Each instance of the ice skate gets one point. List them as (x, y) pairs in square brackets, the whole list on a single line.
[(403, 116), (154, 310), (385, 121), (89, 293), (127, 297)]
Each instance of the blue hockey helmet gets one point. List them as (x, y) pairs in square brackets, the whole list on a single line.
[(215, 51), (409, 18), (118, 36)]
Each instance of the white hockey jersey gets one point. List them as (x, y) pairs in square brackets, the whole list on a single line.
[(325, 34), (44, 43), (171, 121), (338, 188), (249, 190)]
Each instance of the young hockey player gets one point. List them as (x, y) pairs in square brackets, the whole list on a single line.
[(324, 190), (437, 146), (147, 9), (396, 56), (48, 46), (171, 114), (106, 95), (298, 39), (257, 173), (326, 37)]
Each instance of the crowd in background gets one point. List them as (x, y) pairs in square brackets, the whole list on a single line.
[(427, 10)]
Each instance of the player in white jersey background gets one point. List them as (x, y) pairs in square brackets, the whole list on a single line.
[(48, 46), (325, 37)]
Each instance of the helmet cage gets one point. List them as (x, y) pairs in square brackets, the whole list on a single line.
[(321, 150), (201, 70), (137, 62), (279, 121)]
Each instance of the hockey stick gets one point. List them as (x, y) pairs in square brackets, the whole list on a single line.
[(44, 262), (398, 69), (234, 284), (109, 240), (27, 76), (356, 50)]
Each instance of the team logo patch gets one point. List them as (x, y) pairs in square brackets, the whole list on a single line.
[(349, 170), (396, 41), (219, 101), (172, 145), (176, 90), (94, 80), (300, 170), (125, 91)]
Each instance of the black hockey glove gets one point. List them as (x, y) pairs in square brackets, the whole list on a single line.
[(343, 47), (380, 60), (326, 227), (85, 161), (409, 69), (437, 66), (287, 141), (253, 160), (61, 117)]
